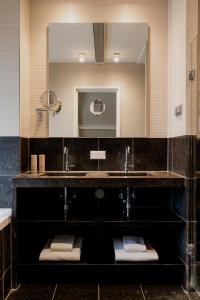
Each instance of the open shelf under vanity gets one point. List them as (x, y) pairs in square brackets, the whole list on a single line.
[(153, 215)]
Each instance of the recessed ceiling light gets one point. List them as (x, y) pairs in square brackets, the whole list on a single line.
[(81, 58), (116, 57)]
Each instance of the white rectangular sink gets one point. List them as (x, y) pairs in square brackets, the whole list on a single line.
[(129, 174), (64, 173)]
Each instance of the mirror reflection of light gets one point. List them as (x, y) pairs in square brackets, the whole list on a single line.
[(81, 58), (116, 57), (71, 13)]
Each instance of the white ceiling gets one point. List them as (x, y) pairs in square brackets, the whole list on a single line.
[(67, 40)]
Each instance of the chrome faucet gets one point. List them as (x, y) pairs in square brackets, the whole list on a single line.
[(66, 159), (126, 165), (128, 202)]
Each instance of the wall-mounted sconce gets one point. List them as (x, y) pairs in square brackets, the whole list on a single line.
[(116, 57), (81, 58)]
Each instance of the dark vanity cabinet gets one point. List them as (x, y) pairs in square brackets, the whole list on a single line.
[(98, 215)]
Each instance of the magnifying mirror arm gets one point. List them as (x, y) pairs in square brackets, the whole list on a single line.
[(39, 112)]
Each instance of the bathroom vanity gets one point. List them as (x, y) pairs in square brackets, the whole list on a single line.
[(95, 206)]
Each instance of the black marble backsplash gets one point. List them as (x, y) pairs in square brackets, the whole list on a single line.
[(79, 153), (150, 154), (174, 154), (52, 148), (198, 220), (181, 158), (198, 154), (24, 154), (145, 154)]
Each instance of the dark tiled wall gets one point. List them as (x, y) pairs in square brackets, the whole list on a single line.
[(24, 153), (181, 159), (198, 232), (146, 153), (198, 219), (52, 148), (198, 154), (5, 262), (79, 153), (150, 154), (9, 153), (9, 167), (198, 207), (184, 159)]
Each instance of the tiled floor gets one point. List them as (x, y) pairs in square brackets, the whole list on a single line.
[(100, 292)]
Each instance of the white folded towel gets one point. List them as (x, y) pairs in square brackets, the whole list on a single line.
[(121, 255), (48, 255), (62, 242), (134, 244)]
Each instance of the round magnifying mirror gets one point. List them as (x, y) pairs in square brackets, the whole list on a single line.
[(49, 99), (97, 107), (51, 102)]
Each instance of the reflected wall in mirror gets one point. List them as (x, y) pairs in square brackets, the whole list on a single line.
[(89, 61)]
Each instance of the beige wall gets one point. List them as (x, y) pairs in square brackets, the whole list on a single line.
[(9, 67), (24, 68), (130, 78), (153, 12), (176, 66), (192, 31)]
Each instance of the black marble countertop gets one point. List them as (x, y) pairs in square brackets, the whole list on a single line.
[(100, 179)]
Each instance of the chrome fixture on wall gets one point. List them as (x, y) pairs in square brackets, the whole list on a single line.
[(50, 103), (126, 166), (67, 165)]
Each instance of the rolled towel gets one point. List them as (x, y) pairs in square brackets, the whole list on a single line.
[(121, 255), (48, 255), (134, 244), (62, 242)]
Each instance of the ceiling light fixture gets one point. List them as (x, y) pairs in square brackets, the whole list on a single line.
[(116, 57), (81, 57)]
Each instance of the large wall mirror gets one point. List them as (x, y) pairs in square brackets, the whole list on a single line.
[(100, 73)]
